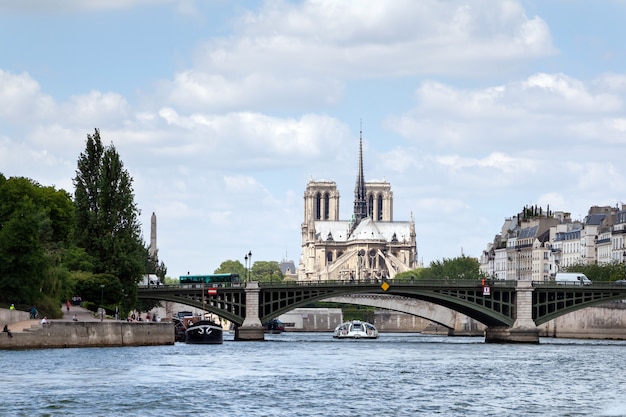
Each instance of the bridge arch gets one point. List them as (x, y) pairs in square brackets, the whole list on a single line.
[(435, 313)]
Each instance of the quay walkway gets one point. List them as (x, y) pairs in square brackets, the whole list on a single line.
[(87, 331), (82, 314)]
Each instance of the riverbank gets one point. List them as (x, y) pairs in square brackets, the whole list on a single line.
[(86, 331)]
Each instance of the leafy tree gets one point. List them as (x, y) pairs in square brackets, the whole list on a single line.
[(260, 270), (99, 289), (604, 272), (35, 224), (232, 267), (266, 271), (23, 263), (76, 259), (155, 267), (462, 267), (106, 215)]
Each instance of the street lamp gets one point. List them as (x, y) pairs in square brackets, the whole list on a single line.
[(101, 302), (248, 259), (249, 264), (519, 266)]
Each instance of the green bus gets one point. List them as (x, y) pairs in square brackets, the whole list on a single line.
[(212, 280)]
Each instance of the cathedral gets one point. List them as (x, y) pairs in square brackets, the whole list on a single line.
[(368, 247)]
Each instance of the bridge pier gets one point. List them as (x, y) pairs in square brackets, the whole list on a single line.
[(524, 329), (252, 328)]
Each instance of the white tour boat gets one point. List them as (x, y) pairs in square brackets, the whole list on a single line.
[(355, 329)]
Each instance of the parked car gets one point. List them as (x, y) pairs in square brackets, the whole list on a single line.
[(619, 282)]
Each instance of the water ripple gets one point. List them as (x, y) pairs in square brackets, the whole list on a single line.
[(313, 375)]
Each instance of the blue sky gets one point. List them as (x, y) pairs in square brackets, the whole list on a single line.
[(222, 111)]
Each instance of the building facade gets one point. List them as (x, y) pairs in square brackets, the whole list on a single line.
[(370, 245), (534, 245)]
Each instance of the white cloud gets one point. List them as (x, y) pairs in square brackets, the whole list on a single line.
[(289, 55), (556, 92), (21, 98), (218, 92), (222, 150), (64, 6), (257, 134), (97, 108), (520, 115)]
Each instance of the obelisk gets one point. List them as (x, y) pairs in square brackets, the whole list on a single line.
[(153, 245)]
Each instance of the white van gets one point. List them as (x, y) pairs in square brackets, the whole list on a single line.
[(572, 278), (151, 280)]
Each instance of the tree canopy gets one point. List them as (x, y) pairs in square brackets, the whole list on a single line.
[(605, 272), (35, 228), (462, 267), (107, 216), (51, 246), (231, 267), (260, 270)]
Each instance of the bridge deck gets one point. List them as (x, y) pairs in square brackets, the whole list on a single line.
[(497, 307)]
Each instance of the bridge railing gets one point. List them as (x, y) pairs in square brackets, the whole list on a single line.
[(568, 284), (195, 286), (470, 283)]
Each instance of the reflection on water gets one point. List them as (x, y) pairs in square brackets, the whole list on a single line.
[(311, 374)]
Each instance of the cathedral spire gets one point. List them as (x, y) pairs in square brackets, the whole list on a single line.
[(360, 202)]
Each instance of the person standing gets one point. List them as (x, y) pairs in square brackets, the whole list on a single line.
[(67, 305)]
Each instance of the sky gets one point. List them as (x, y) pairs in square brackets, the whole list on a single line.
[(222, 111)]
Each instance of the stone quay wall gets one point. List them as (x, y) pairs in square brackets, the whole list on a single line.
[(58, 334), (312, 319), (12, 316), (607, 321)]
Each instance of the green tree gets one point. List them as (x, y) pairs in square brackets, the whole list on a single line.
[(232, 267), (100, 290), (35, 224), (604, 272), (462, 267), (77, 259), (107, 217), (23, 263), (266, 271), (155, 267)]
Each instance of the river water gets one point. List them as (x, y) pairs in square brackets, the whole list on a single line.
[(311, 374)]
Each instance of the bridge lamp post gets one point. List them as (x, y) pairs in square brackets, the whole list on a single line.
[(519, 267), (248, 259), (360, 256)]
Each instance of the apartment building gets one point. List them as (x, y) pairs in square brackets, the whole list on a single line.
[(534, 245)]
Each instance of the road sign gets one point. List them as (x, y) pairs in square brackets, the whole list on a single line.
[(212, 291)]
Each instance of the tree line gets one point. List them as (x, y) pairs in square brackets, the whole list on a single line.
[(55, 246)]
